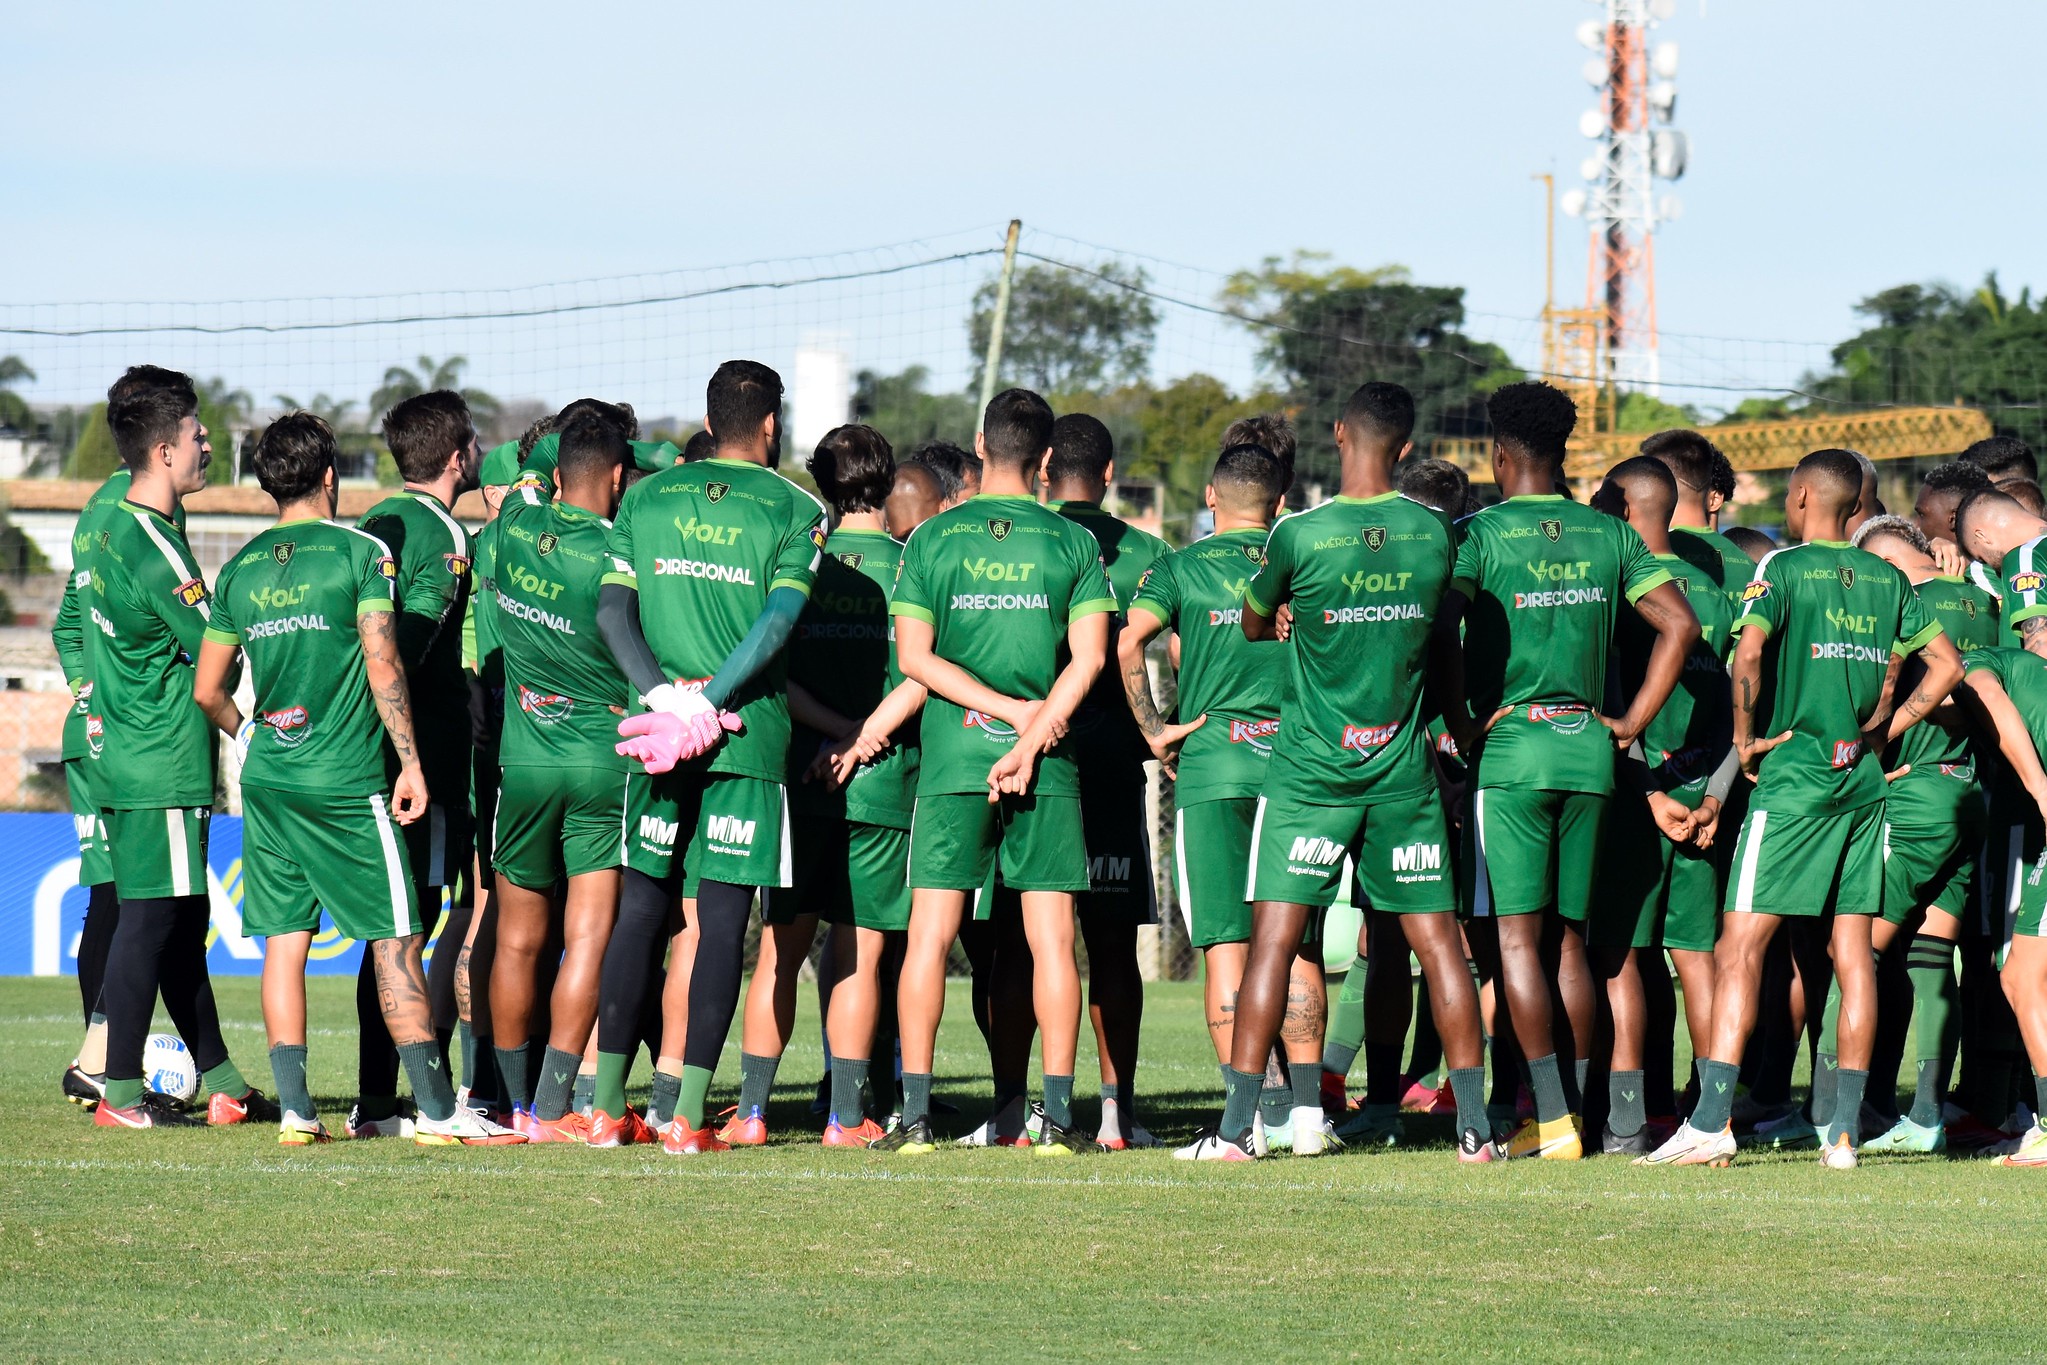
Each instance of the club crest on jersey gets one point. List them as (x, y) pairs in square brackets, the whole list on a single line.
[(283, 551), (1969, 607), (851, 558), (1375, 538), (546, 542), (191, 592), (999, 527), (1366, 738), (717, 491), (981, 720), (1552, 528), (289, 726), (545, 707), (1847, 576), (1256, 554), (1256, 733)]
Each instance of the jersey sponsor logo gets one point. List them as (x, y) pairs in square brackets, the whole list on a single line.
[(1228, 616), (1315, 851), (106, 626), (1446, 745), (710, 533), (994, 725), (1846, 751), (269, 597), (817, 536), (191, 592), (1375, 538), (546, 543), (1256, 733), (95, 733), (1756, 591), (1105, 871), (545, 707), (1418, 863), (1391, 611), (458, 565), (1565, 720), (1001, 601), (1552, 528), (283, 551), (1965, 771), (1558, 570), (1853, 622), (851, 558), (1560, 597), (997, 571), (532, 582), (84, 697), (1847, 576), (388, 567), (729, 830), (1376, 582), (539, 616), (657, 834), (716, 491), (2028, 582), (1366, 738), (284, 625), (999, 527), (697, 568), (843, 630), (1841, 651), (290, 726)]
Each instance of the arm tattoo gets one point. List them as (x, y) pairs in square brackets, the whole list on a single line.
[(1137, 688), (1748, 696), (394, 698), (2032, 625)]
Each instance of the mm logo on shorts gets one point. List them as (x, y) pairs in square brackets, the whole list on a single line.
[(657, 835), (1108, 873), (1418, 863), (1316, 851), (729, 830)]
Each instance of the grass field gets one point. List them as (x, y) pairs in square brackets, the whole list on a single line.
[(210, 1243)]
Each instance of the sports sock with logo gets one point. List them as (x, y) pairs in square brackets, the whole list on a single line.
[(1307, 1087), (1346, 1021), (849, 1079), (1849, 1086), (1059, 1101), (1548, 1084), (1937, 1022), (1241, 1090), (1467, 1086), (512, 1067), (557, 1077), (1717, 1082), (662, 1092), (916, 1096), (756, 1082), (1624, 1103), (693, 1101), (432, 1091), (1826, 1082), (288, 1070)]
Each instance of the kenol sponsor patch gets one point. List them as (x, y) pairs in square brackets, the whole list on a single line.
[(993, 725), (289, 726), (1256, 733), (545, 707), (1366, 738)]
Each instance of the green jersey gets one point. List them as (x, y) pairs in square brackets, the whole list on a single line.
[(432, 552), (545, 457), (1103, 727), (998, 578), (2023, 586), (145, 608), (844, 654), (67, 633), (564, 692), (704, 544), (2023, 676), (1544, 577), (1940, 752), (483, 643), (1687, 739), (1720, 562), (289, 600), (1365, 576), (1835, 616), (1240, 686)]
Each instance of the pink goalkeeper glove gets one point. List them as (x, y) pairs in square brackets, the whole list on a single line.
[(660, 740)]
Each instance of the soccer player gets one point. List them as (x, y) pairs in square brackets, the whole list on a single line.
[(1868, 504), (1111, 754), (433, 441), (1751, 542), (1662, 890), (1352, 777), (2002, 458), (711, 564), (152, 752), (319, 831), (1536, 588), (1995, 528), (957, 471), (1229, 700), (1692, 460), (1941, 491), (563, 790), (988, 594), (1824, 631), (915, 497)]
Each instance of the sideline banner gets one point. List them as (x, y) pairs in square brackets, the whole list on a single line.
[(42, 906)]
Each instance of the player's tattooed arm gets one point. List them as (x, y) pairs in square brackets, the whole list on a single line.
[(401, 989), (1991, 707), (1941, 672), (1745, 674), (1163, 739), (392, 694), (213, 686), (1664, 610)]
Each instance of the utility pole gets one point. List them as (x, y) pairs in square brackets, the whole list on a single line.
[(995, 324)]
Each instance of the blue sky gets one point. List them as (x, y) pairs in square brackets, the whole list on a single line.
[(239, 151)]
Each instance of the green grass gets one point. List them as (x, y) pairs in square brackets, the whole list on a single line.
[(209, 1243)]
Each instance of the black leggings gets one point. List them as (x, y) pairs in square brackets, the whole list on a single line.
[(647, 919), (160, 945), (102, 914), (722, 911)]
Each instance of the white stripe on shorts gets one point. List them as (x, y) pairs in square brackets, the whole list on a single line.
[(1481, 873), (1180, 869), (181, 865), (394, 866), (1251, 871), (1751, 849), (788, 870)]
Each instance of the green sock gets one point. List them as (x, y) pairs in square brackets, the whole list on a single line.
[(1548, 1084), (1467, 1086), (431, 1089), (1849, 1085), (695, 1098), (1241, 1099), (1625, 1110), (1346, 1032), (288, 1069), (1112, 1092), (1276, 1104), (1826, 1074), (916, 1097), (466, 1038), (1937, 1022), (1717, 1083), (124, 1094), (756, 1082), (1307, 1092), (586, 1086), (557, 1076), (849, 1079), (2040, 1101), (512, 1066), (607, 1094), (664, 1090), (98, 1019), (1059, 1101), (223, 1080), (1580, 1069)]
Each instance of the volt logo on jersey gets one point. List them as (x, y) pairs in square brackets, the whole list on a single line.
[(1375, 538), (1361, 581), (283, 551), (708, 532), (997, 571), (280, 597)]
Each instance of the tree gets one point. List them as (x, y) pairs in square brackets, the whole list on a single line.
[(1069, 330), (95, 456), (1638, 411), (900, 408), (400, 384), (14, 409), (1324, 331), (333, 411)]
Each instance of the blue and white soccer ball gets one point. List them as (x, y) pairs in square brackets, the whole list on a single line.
[(168, 1068)]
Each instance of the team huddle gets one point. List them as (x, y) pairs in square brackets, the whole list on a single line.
[(1541, 746)]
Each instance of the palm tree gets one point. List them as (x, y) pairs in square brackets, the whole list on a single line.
[(400, 384), (233, 404), (333, 411), (14, 411)]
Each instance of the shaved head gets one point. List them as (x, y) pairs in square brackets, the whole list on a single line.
[(1825, 493), (1990, 524)]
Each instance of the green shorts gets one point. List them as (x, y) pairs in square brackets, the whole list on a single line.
[(159, 852), (1211, 853), (1112, 814), (1530, 850), (1929, 867), (732, 828), (304, 853), (2013, 887), (1653, 893), (486, 779), (95, 863), (439, 845), (958, 839), (1401, 849), (845, 872), (1806, 865), (554, 823)]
